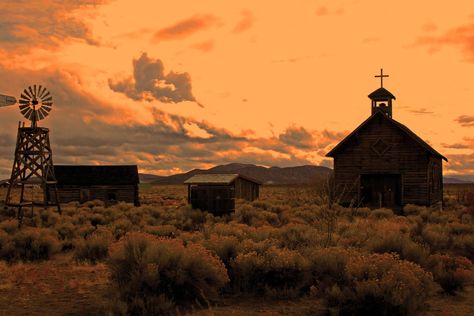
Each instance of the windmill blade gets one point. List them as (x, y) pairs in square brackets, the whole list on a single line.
[(47, 99), (39, 115), (47, 109), (24, 97), (40, 93), (22, 106), (44, 112), (27, 93), (6, 100), (21, 101), (47, 103), (31, 91)]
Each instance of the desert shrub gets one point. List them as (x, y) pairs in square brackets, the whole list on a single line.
[(94, 247), (452, 273), (10, 226), (437, 237), (225, 247), (275, 272), (49, 217), (362, 212), (247, 214), (189, 219), (29, 244), (412, 209), (381, 213), (161, 230), (147, 271), (84, 230), (121, 226), (457, 228), (327, 265), (400, 244), (295, 236), (97, 219), (464, 246), (382, 284)]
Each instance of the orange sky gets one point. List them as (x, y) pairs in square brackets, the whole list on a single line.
[(178, 85)]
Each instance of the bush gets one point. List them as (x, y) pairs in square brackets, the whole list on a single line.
[(400, 244), (278, 272), (380, 284), (29, 244), (94, 248), (452, 273), (381, 213), (147, 271)]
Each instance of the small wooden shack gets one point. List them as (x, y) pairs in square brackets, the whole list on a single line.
[(382, 163), (216, 193), (110, 184)]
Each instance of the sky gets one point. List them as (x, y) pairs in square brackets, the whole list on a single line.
[(177, 85)]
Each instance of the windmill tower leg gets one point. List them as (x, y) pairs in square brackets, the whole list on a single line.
[(33, 165)]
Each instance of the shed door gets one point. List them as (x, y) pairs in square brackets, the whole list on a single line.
[(380, 190), (215, 199)]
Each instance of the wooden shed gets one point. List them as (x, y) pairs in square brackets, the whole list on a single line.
[(110, 184), (216, 193), (382, 163)]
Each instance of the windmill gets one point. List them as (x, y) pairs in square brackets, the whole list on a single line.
[(33, 161)]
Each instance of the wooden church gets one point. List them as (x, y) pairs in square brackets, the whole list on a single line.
[(382, 163)]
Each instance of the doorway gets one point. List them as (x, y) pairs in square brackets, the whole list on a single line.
[(381, 190)]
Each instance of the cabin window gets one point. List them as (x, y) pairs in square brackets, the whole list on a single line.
[(111, 196)]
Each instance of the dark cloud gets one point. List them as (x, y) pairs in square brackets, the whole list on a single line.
[(297, 137), (47, 24), (461, 37), (421, 111), (205, 46), (455, 146), (461, 163), (245, 23), (465, 120), (150, 83), (186, 27)]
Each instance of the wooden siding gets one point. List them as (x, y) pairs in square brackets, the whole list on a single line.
[(245, 189), (403, 156), (109, 194)]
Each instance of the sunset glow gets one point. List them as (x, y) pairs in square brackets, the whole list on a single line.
[(177, 85)]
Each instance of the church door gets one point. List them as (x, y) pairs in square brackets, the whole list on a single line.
[(380, 190)]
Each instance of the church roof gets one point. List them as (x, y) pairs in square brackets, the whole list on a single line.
[(381, 94), (399, 125)]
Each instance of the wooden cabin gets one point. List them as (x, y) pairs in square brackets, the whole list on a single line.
[(382, 163), (216, 193), (109, 184)]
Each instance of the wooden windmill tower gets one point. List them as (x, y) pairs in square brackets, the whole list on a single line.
[(33, 161)]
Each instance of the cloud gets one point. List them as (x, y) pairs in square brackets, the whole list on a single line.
[(297, 137), (246, 22), (461, 37), (455, 146), (150, 83), (465, 120), (46, 24), (421, 111), (186, 27), (463, 164), (322, 10), (205, 46)]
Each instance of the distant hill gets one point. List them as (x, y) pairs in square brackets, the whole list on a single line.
[(274, 175), (455, 180)]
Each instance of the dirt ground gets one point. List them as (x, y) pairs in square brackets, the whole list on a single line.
[(62, 287)]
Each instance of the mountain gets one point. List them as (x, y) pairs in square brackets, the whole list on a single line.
[(149, 178), (274, 175), (455, 180)]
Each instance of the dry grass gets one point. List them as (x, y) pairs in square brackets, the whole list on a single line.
[(288, 221)]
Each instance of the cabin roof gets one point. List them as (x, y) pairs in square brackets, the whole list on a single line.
[(399, 125), (216, 178), (96, 175)]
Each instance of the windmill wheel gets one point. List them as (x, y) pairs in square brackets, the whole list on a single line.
[(35, 104)]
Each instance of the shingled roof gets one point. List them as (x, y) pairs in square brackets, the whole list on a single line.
[(381, 94), (86, 175), (399, 125), (217, 179)]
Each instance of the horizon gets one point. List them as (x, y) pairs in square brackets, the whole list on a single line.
[(179, 86)]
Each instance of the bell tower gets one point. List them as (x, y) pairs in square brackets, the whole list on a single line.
[(382, 98)]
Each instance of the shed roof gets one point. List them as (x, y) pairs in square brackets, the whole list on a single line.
[(96, 175), (216, 178), (399, 125)]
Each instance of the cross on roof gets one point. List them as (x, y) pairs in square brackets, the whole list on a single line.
[(381, 76)]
